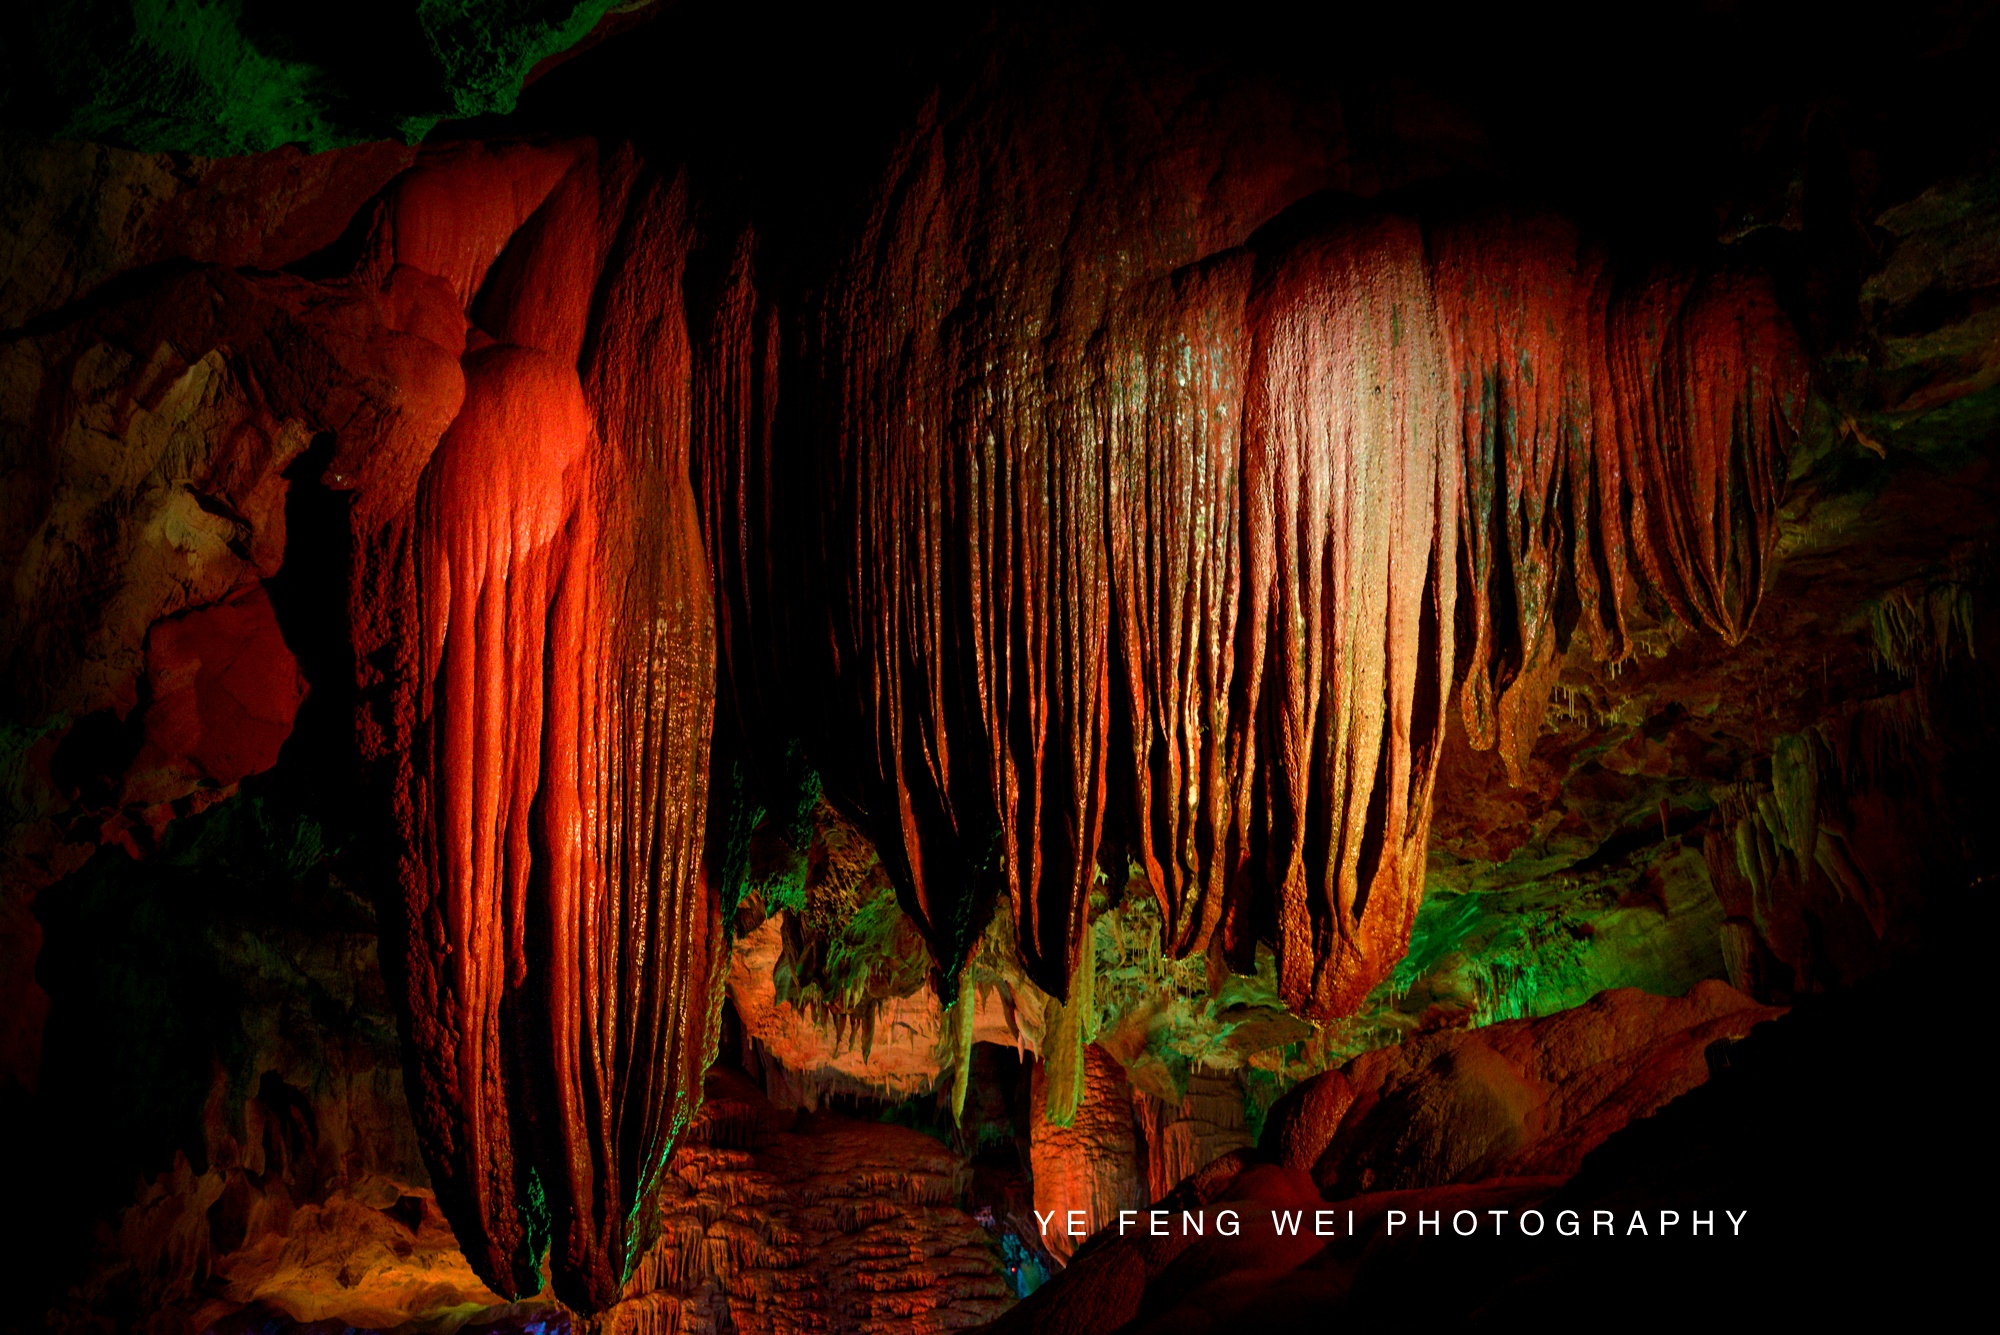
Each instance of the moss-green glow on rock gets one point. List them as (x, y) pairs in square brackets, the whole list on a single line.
[(487, 47), (222, 77)]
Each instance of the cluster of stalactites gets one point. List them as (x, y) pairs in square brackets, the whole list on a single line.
[(1205, 561), (552, 724), (1621, 435)]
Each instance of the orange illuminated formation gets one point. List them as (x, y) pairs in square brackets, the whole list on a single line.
[(552, 716)]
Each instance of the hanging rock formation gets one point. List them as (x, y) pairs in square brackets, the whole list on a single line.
[(1121, 508), (550, 735), (1151, 541), (1351, 502), (1009, 356), (1509, 292)]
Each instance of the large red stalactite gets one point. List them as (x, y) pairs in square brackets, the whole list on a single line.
[(551, 713), (1697, 385), (1350, 492), (1507, 291), (1178, 355)]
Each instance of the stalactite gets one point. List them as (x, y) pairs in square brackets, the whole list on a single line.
[(993, 435), (1174, 544), (736, 476), (1623, 439), (1726, 404), (555, 724), (1070, 1028), (959, 1030), (1352, 496), (1179, 354), (1697, 389), (1506, 290), (1180, 553), (646, 924), (972, 603)]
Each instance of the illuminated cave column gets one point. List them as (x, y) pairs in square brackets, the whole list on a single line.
[(553, 727)]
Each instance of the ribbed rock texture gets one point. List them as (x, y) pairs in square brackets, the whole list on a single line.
[(1136, 516), (547, 592), (1143, 532), (1157, 557)]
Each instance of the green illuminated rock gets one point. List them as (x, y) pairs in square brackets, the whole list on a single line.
[(222, 77)]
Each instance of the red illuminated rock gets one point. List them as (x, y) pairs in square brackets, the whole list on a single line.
[(552, 711), (1180, 1139), (972, 583), (769, 1223), (1114, 1278), (1508, 291), (1480, 1120), (1236, 499), (1351, 507), (221, 693), (1180, 355), (1092, 1165)]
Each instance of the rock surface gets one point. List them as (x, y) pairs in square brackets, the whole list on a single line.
[(778, 1222), (1489, 1119), (1526, 1098)]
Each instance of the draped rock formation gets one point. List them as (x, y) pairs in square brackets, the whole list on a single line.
[(1350, 500), (549, 719), (1175, 385), (1151, 542), (1013, 372), (1507, 293)]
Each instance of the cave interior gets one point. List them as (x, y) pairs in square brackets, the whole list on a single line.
[(691, 668)]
